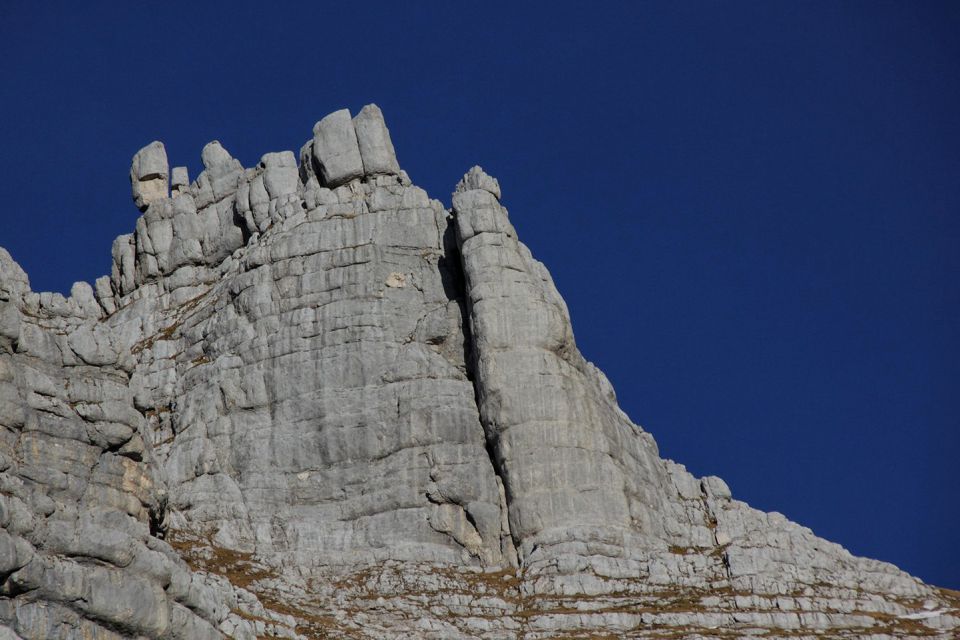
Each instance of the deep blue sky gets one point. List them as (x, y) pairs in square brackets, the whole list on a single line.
[(752, 209)]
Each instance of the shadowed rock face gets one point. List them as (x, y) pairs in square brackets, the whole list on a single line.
[(309, 401)]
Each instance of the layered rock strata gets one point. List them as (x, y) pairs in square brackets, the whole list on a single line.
[(309, 401)]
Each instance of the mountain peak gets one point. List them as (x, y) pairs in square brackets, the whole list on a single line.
[(311, 401)]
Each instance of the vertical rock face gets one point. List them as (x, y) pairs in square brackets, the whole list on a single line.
[(311, 402), (568, 457)]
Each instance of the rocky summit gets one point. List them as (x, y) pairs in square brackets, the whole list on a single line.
[(309, 401)]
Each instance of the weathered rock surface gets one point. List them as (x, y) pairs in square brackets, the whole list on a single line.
[(336, 149), (148, 175), (309, 401), (373, 138)]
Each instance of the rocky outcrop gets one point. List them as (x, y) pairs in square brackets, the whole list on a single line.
[(148, 175), (309, 401), (373, 138)]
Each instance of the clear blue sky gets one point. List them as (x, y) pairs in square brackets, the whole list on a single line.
[(752, 208)]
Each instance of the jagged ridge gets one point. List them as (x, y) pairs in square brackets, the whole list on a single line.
[(309, 401)]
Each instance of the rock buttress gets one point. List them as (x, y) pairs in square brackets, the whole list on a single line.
[(570, 459)]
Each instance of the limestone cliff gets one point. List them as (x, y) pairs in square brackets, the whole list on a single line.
[(310, 401)]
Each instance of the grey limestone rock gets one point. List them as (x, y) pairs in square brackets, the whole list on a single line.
[(214, 155), (149, 175), (477, 179), (81, 294), (12, 277), (336, 149), (179, 179), (311, 402), (560, 445), (373, 138)]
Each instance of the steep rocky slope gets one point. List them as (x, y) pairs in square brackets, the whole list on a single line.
[(309, 402)]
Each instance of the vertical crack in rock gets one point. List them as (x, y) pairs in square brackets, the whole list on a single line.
[(455, 284)]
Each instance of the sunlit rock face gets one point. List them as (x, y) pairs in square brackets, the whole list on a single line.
[(310, 401)]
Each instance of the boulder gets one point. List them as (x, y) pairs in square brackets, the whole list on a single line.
[(149, 175), (373, 137), (336, 149)]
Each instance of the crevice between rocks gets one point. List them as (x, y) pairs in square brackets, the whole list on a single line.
[(453, 273)]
